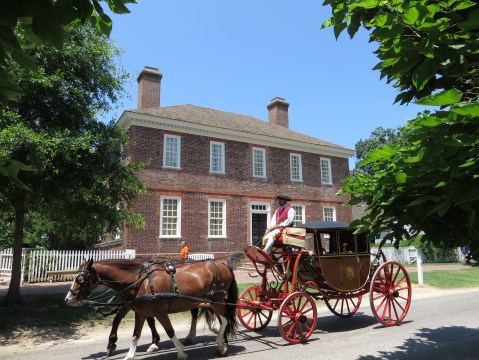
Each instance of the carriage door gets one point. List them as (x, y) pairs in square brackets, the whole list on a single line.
[(259, 222)]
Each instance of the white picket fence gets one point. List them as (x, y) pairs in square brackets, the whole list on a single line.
[(44, 261), (6, 259)]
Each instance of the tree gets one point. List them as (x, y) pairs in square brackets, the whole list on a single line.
[(36, 21), (80, 187), (428, 50), (378, 138)]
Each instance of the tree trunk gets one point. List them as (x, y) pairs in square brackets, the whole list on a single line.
[(13, 296)]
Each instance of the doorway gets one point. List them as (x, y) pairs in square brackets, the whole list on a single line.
[(259, 222)]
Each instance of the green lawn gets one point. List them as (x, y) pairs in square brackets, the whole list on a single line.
[(449, 279)]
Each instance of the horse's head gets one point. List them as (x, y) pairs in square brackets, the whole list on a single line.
[(85, 281)]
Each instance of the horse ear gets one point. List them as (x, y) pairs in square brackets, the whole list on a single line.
[(90, 263)]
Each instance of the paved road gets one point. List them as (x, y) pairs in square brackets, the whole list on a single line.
[(440, 325)]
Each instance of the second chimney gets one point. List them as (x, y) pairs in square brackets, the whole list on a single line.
[(278, 112), (149, 82)]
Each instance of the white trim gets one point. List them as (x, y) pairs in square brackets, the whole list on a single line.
[(129, 118), (334, 212), (300, 167), (330, 174), (223, 155), (178, 153), (178, 210), (223, 224), (263, 159)]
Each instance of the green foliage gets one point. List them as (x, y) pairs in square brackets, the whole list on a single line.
[(80, 187), (378, 138), (428, 50), (33, 21)]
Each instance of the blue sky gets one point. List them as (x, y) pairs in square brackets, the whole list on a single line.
[(237, 56)]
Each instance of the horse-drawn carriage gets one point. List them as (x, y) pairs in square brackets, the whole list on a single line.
[(340, 271)]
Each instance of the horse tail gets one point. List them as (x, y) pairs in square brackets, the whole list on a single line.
[(231, 305)]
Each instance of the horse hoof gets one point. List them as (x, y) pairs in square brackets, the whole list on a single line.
[(222, 352), (152, 348), (110, 350), (182, 356)]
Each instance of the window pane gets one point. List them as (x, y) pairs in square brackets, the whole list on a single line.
[(217, 155), (298, 216), (329, 214), (258, 162), (216, 218), (172, 152), (295, 163), (169, 217), (326, 171)]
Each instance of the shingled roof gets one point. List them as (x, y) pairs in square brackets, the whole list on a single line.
[(232, 121)]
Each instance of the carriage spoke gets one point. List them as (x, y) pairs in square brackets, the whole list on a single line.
[(297, 318)]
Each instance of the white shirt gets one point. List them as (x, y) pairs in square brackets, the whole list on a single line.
[(285, 223)]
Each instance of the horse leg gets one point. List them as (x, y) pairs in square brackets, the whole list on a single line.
[(155, 337), (114, 330), (192, 333), (221, 338), (166, 323), (139, 322)]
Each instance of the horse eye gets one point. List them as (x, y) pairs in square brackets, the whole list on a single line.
[(80, 279)]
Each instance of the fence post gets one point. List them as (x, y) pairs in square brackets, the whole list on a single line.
[(420, 274)]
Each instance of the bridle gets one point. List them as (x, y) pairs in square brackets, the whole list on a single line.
[(87, 280)]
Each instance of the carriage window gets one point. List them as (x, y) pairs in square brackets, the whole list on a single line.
[(346, 242), (329, 243), (362, 243), (170, 220), (216, 218)]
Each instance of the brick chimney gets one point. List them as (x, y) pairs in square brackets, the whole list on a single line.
[(278, 112), (149, 82)]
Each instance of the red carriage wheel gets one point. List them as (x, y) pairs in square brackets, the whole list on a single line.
[(390, 293), (250, 314), (297, 317), (343, 307)]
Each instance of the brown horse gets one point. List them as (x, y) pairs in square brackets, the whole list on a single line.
[(159, 289)]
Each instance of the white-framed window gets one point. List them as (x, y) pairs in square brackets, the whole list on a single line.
[(296, 167), (170, 217), (217, 157), (172, 151), (299, 216), (329, 213), (259, 162), (326, 176), (216, 218)]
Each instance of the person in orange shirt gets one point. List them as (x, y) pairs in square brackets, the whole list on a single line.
[(184, 250)]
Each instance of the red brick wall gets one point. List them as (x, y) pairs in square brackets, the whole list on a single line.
[(196, 185)]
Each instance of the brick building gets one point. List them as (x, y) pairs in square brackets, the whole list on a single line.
[(212, 175)]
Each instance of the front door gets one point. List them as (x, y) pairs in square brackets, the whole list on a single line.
[(259, 223)]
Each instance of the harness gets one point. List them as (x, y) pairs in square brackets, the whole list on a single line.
[(146, 271)]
